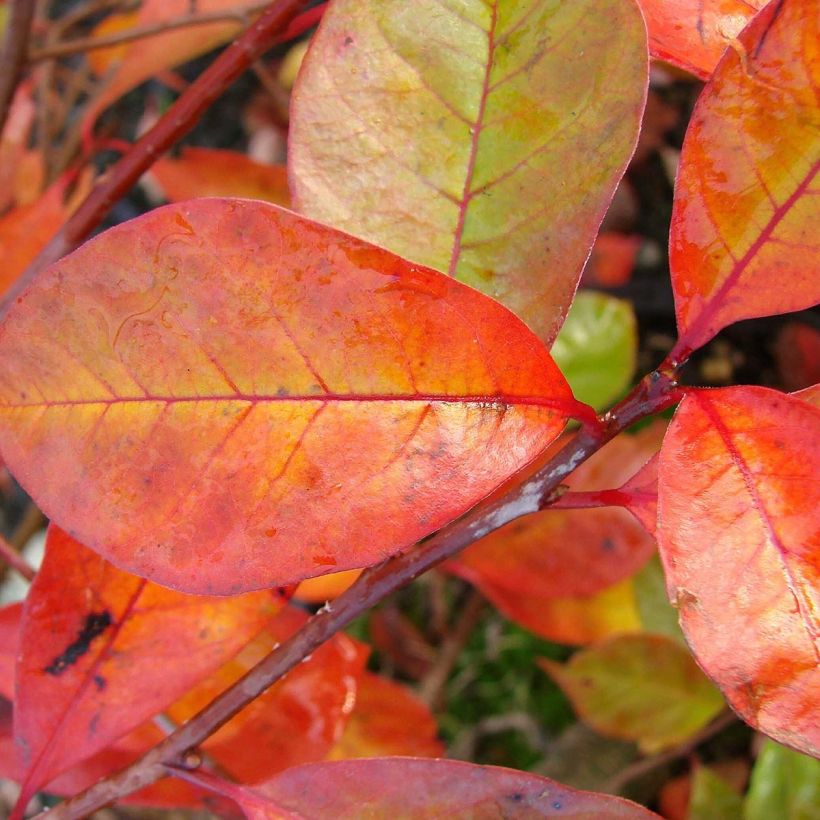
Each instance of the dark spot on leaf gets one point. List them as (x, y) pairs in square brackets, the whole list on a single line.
[(557, 804), (348, 41), (100, 682), (516, 797), (608, 545), (95, 624)]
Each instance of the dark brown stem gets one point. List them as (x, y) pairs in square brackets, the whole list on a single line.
[(271, 26), (527, 494), (648, 764), (15, 560), (13, 56)]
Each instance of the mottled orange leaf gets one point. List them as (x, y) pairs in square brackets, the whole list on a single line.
[(566, 552), (738, 500), (645, 688), (298, 720), (216, 172), (387, 720), (102, 651), (222, 396), (10, 616), (100, 60), (744, 239), (149, 56), (579, 620), (484, 139), (325, 587), (414, 789), (693, 34)]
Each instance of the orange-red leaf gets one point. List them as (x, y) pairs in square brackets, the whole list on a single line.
[(484, 139), (9, 630), (102, 651), (222, 395), (744, 239), (387, 720), (561, 553), (640, 494), (693, 34), (738, 501), (216, 172), (415, 789)]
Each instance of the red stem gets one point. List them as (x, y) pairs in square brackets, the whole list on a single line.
[(15, 560), (529, 494), (172, 126), (13, 57)]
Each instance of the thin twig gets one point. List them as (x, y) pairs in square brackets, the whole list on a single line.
[(13, 55), (15, 560), (526, 495), (647, 764), (432, 686), (278, 23), (84, 44)]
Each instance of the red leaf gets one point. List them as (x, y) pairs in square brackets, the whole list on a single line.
[(693, 34), (9, 631), (102, 651), (640, 495), (738, 504), (211, 172), (744, 220), (415, 789), (222, 396)]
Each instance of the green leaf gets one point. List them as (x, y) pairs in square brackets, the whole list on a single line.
[(657, 615), (785, 785), (645, 688), (479, 137), (597, 348), (712, 798)]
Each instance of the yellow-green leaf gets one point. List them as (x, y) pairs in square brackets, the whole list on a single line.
[(785, 784), (484, 139)]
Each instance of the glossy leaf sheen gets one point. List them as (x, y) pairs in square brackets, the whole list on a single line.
[(738, 499), (415, 789), (645, 688), (102, 651), (693, 34), (217, 172), (435, 129), (223, 396), (744, 240)]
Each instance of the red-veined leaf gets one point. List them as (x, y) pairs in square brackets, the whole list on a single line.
[(561, 553), (645, 688), (387, 720), (215, 172), (414, 789), (738, 499), (744, 240), (483, 139), (222, 396), (693, 34), (102, 651)]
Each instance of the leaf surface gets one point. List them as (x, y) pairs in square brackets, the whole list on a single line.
[(745, 214), (784, 783), (223, 396), (483, 139), (10, 616), (217, 172), (103, 650), (597, 347), (415, 789), (693, 34), (645, 688), (560, 553), (387, 720), (737, 507)]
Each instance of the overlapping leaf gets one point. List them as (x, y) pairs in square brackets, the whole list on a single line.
[(744, 241), (560, 553), (415, 789), (645, 688), (693, 34), (223, 396), (738, 499), (482, 139), (783, 783), (103, 650), (216, 172)]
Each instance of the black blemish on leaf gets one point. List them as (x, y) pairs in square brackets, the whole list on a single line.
[(608, 545), (95, 624), (516, 797), (100, 682)]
